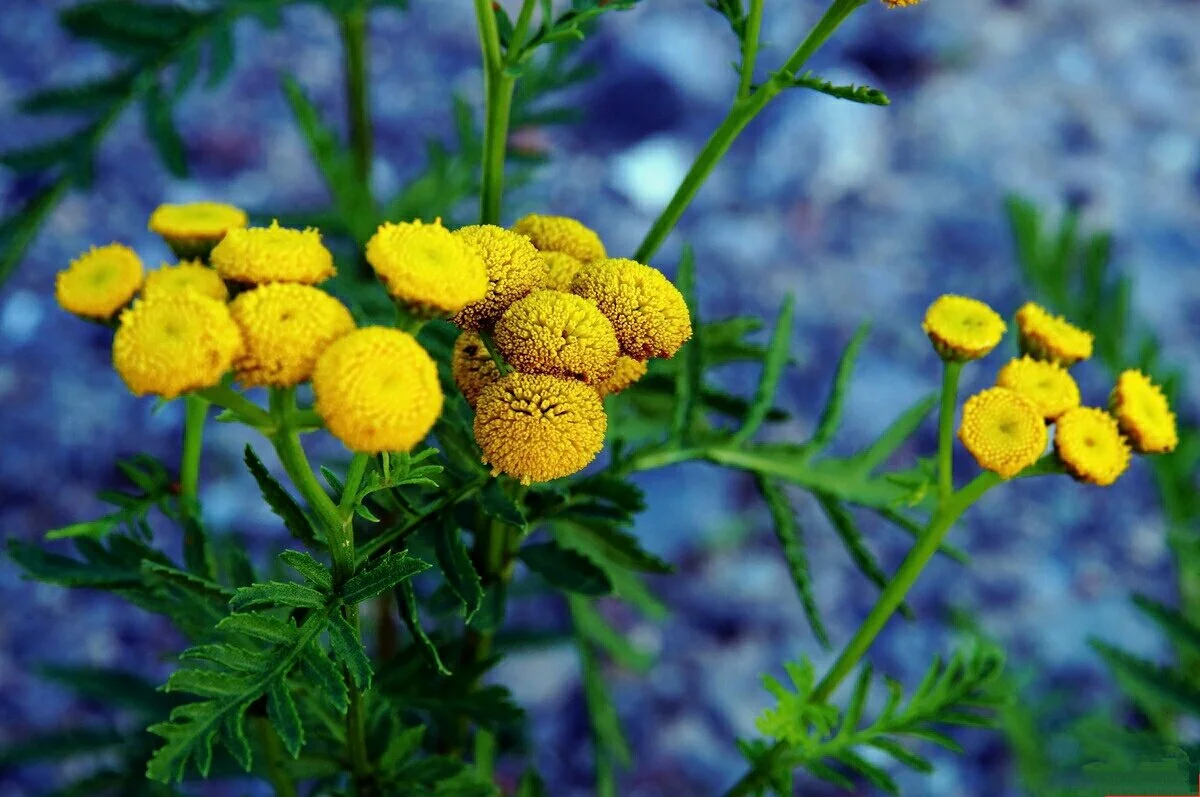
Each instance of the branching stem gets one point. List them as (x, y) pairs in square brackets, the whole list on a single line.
[(498, 86), (945, 455)]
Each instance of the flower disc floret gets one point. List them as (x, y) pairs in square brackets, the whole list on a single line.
[(537, 428), (1051, 337), (514, 269), (472, 366), (649, 314), (627, 371), (191, 275), (562, 234), (1143, 414), (286, 327), (99, 282), (1089, 444), (258, 255), (193, 229), (173, 342), (377, 390), (427, 267), (1003, 430), (962, 328), (561, 269), (900, 3), (1048, 385), (550, 332)]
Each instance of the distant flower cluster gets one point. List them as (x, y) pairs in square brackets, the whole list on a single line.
[(1006, 427)]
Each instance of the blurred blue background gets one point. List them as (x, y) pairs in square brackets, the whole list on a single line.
[(863, 213)]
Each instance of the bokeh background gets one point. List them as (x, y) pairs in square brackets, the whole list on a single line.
[(863, 213)]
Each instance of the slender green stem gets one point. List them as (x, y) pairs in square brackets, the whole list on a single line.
[(400, 533), (353, 25), (246, 410), (273, 752), (498, 92), (745, 109), (354, 477), (489, 343), (945, 454), (195, 409), (517, 40), (750, 43)]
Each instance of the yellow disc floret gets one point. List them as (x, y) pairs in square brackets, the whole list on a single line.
[(514, 268), (377, 390), (173, 342), (962, 328), (627, 372), (99, 282), (426, 267), (192, 230), (258, 255), (286, 327), (1089, 443), (537, 428), (649, 314), (1048, 385), (1051, 337), (549, 332), (472, 366), (561, 269), (562, 234), (900, 3), (190, 275), (1003, 430), (1143, 414)]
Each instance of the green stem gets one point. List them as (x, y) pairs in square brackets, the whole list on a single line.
[(517, 40), (246, 410), (498, 91), (750, 48), (354, 477), (353, 25), (945, 453), (735, 121), (489, 343), (273, 752), (400, 533), (195, 409)]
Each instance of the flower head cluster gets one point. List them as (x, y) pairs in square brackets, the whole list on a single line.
[(561, 269), (647, 312), (258, 255), (1048, 385), (626, 372), (562, 234), (1090, 446), (377, 390), (1051, 337), (99, 282), (172, 342), (1143, 414), (549, 332), (472, 366), (514, 268), (962, 328), (190, 275), (537, 427), (1003, 430), (192, 230), (427, 268), (285, 327)]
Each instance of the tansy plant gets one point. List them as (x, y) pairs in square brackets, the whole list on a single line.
[(497, 390)]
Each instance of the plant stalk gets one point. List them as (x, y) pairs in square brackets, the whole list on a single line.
[(283, 785), (195, 408), (353, 26), (498, 90), (945, 457), (750, 43)]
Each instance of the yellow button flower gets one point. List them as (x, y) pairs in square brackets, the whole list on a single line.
[(514, 268), (1089, 443), (286, 327), (962, 328), (1048, 385), (258, 255), (190, 275), (174, 342), (1051, 337), (99, 282), (648, 313), (627, 372), (549, 332), (472, 366), (426, 267), (377, 390), (900, 3), (192, 230), (1143, 414), (561, 269), (537, 428), (562, 234), (1003, 430)]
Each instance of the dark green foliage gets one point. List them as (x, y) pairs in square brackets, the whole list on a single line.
[(381, 575), (860, 94), (565, 569), (791, 541), (406, 600), (776, 359), (154, 489), (456, 565), (281, 503)]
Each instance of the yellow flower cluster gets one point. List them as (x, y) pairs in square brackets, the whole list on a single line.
[(562, 234), (1001, 425), (649, 314), (258, 255), (99, 282), (192, 230), (472, 366), (549, 332), (190, 275), (427, 268), (514, 269), (286, 328)]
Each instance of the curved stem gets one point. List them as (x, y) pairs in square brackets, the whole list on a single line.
[(195, 409), (745, 109), (498, 92), (353, 26), (246, 410), (750, 42), (517, 40), (945, 454), (354, 477)]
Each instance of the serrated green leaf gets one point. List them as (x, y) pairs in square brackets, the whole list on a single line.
[(565, 569), (900, 430), (276, 593), (791, 541), (778, 354), (127, 26), (233, 737), (455, 562), (592, 626), (65, 571), (496, 503), (602, 714), (401, 747), (406, 600), (161, 130), (860, 94), (313, 571), (831, 415), (285, 719), (1150, 679), (622, 548), (207, 683), (259, 626), (281, 503), (380, 575), (348, 649), (326, 676), (86, 96), (220, 54), (229, 657)]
